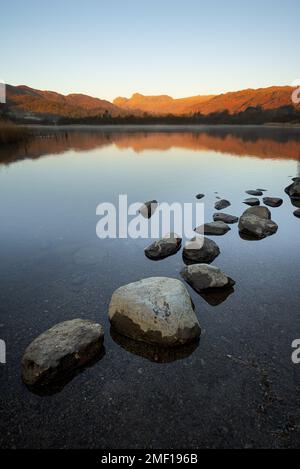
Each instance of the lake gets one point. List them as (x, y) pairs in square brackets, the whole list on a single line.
[(238, 387)]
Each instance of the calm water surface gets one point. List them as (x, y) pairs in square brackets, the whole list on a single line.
[(239, 387)]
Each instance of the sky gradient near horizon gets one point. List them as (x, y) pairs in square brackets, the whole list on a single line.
[(116, 48)]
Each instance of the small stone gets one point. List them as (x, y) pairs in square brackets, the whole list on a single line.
[(294, 189), (272, 201), (229, 219), (255, 223), (148, 208), (252, 202), (165, 247), (216, 228), (297, 213), (203, 277), (256, 193), (200, 250), (221, 204), (200, 196)]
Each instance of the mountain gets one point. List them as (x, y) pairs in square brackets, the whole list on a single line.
[(238, 101), (23, 101), (28, 103), (160, 105)]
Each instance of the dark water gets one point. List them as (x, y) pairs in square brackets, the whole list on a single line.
[(239, 387)]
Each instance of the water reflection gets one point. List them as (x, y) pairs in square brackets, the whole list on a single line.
[(216, 297), (261, 142), (154, 353)]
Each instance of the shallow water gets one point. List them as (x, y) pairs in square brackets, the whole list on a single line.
[(238, 387)]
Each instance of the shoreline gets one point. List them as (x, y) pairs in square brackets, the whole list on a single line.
[(160, 126)]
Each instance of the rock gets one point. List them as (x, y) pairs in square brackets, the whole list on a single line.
[(256, 224), (272, 201), (295, 202), (155, 310), (165, 247), (148, 208), (222, 204), (293, 190), (216, 228), (296, 179), (252, 202), (200, 250), (63, 348), (256, 193), (297, 213), (203, 277), (229, 219), (262, 190), (261, 212), (200, 196)]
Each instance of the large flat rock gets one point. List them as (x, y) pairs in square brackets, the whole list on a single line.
[(60, 350), (155, 310)]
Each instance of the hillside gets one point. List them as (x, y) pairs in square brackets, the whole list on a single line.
[(24, 101), (27, 103), (234, 102)]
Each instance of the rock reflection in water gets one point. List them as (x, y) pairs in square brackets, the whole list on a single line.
[(154, 353), (216, 297)]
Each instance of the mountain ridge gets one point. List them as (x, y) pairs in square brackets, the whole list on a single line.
[(26, 102)]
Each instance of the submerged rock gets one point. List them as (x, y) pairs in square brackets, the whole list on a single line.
[(200, 250), (200, 196), (165, 247), (252, 202), (273, 201), (229, 219), (216, 228), (256, 223), (256, 193), (60, 350), (203, 277), (155, 310), (148, 208), (222, 204)]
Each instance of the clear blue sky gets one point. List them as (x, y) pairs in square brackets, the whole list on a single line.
[(116, 47)]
